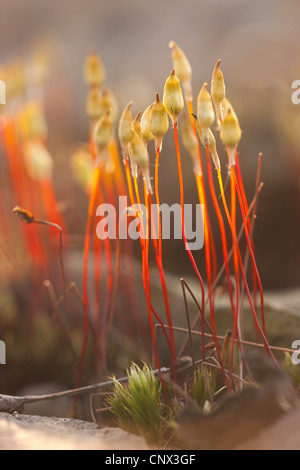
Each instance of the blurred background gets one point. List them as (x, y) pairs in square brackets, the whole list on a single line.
[(257, 43)]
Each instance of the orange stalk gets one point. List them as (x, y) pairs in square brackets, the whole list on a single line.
[(146, 254), (213, 320), (25, 191), (165, 294), (254, 266), (129, 182), (244, 197), (234, 308), (146, 242), (130, 283), (242, 270), (120, 185), (50, 202), (132, 199), (157, 200), (235, 255), (148, 272), (97, 280), (207, 255), (109, 287), (203, 194), (158, 257), (87, 241), (241, 184), (97, 258), (222, 231), (145, 275)]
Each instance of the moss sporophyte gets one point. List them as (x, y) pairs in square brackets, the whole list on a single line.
[(119, 170)]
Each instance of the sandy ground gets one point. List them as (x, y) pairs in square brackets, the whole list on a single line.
[(23, 432)]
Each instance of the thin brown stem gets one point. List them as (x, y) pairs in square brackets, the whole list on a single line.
[(221, 271), (251, 230), (188, 319), (61, 259)]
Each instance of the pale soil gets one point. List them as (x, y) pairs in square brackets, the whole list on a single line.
[(22, 432)]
